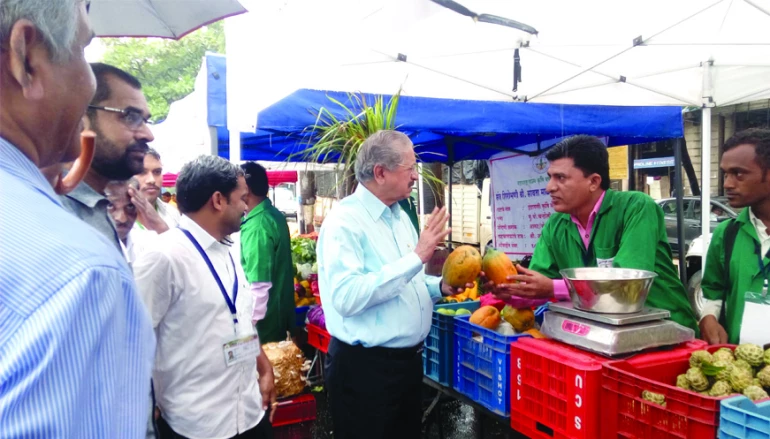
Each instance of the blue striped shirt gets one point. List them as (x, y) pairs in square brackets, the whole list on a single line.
[(76, 343)]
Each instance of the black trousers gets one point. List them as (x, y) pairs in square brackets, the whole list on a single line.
[(263, 430), (374, 393)]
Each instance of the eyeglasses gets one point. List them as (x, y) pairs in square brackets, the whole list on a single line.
[(131, 117), (415, 167)]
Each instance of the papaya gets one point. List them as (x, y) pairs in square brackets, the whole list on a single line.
[(521, 319), (462, 266), (497, 266), (486, 316)]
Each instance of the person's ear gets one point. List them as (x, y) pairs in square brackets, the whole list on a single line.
[(27, 58), (379, 174), (596, 182)]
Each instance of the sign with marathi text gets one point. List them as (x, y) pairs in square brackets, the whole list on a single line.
[(618, 156), (520, 203)]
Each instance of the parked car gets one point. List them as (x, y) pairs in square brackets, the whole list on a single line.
[(720, 211)]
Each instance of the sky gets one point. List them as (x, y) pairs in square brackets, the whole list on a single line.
[(95, 51)]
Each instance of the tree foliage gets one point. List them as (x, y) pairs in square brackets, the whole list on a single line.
[(166, 68)]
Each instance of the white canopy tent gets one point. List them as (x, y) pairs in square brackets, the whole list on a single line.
[(607, 52)]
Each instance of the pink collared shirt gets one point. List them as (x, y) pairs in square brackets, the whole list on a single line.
[(560, 291)]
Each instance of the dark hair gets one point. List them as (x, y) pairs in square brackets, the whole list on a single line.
[(154, 153), (101, 72), (588, 153), (256, 178), (201, 178), (757, 137)]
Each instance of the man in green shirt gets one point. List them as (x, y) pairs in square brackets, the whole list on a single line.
[(266, 259), (596, 226), (746, 165)]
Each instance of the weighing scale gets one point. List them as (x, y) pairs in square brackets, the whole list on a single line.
[(613, 334)]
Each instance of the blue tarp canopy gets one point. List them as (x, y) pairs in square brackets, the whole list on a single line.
[(472, 130)]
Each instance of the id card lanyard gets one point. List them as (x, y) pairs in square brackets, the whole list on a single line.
[(230, 303)]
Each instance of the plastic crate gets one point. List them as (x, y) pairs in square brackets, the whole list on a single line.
[(438, 355), (687, 414), (294, 431), (318, 337), (294, 410), (555, 390), (301, 313), (483, 365), (742, 419)]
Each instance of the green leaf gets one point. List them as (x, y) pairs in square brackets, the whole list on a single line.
[(710, 370)]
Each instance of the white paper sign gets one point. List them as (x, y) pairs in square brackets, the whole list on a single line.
[(520, 204)]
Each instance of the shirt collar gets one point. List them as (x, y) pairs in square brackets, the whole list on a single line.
[(261, 207), (374, 206), (203, 237), (594, 212), (17, 164), (760, 227), (86, 195)]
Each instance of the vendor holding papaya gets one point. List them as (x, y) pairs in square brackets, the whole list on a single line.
[(595, 226)]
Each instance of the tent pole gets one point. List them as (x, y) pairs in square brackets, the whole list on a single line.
[(680, 209), (235, 147), (421, 194), (706, 180), (450, 201)]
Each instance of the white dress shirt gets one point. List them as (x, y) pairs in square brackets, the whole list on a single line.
[(198, 395)]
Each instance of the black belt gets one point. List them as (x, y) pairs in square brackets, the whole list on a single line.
[(375, 351)]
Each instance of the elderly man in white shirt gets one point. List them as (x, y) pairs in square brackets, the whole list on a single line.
[(208, 354)]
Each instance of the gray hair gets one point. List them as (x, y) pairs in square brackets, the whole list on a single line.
[(381, 148), (55, 19)]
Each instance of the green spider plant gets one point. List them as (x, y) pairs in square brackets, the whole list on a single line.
[(337, 140)]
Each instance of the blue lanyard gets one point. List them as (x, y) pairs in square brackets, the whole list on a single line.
[(230, 303)]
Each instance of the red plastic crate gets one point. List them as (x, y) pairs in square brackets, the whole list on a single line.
[(294, 431), (295, 410), (318, 337), (687, 415), (555, 390)]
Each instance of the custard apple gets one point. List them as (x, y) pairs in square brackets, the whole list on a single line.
[(656, 398), (743, 364), (753, 354), (763, 376), (682, 383), (725, 372), (697, 379), (767, 356), (755, 393), (756, 382), (699, 357), (724, 354), (740, 378), (721, 388)]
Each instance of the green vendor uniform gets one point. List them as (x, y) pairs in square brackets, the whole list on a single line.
[(629, 229), (266, 257), (745, 274)]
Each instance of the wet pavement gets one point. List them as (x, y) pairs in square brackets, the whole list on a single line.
[(450, 419)]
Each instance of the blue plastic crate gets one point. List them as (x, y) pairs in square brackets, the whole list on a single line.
[(483, 365), (301, 313), (438, 355), (740, 418)]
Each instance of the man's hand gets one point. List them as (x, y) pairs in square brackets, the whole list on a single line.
[(711, 331), (531, 285), (267, 385), (433, 234), (447, 289), (145, 213)]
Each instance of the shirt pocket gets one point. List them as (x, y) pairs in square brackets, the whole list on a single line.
[(605, 256)]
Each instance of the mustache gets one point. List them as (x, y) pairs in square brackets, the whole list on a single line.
[(138, 147)]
